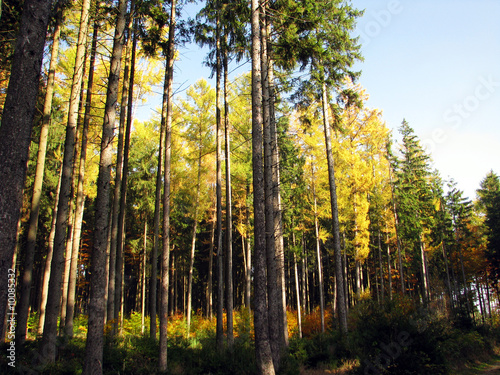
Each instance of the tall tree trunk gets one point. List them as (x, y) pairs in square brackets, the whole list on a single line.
[(229, 213), (318, 256), (220, 263), (193, 239), (464, 279), (116, 256), (248, 273), (425, 276), (261, 324), (48, 259), (210, 268), (487, 283), (278, 224), (80, 197), (48, 345), (381, 267), (341, 304), (71, 224), (389, 268), (156, 222), (23, 306), (72, 218), (144, 264), (480, 298), (297, 290), (304, 276), (272, 278), (396, 226), (15, 131), (95, 336), (120, 244), (167, 119)]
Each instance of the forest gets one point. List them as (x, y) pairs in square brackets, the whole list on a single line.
[(272, 224)]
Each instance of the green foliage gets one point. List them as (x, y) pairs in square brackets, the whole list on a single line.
[(489, 205)]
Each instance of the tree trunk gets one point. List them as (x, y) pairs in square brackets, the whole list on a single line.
[(248, 273), (272, 278), (210, 268), (48, 259), (261, 325), (70, 226), (396, 225), (120, 244), (156, 220), (341, 305), (23, 306), (15, 131), (304, 276), (229, 213), (80, 197), (219, 335), (278, 224), (318, 255), (95, 336), (48, 344), (389, 268), (167, 120), (297, 290), (381, 267), (193, 240), (144, 263), (116, 256)]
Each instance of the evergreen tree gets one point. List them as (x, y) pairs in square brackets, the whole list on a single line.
[(489, 206), (414, 204), (15, 130)]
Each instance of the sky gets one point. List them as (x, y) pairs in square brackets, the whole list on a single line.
[(435, 63)]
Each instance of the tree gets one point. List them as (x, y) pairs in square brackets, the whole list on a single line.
[(80, 195), (489, 206), (15, 131), (23, 308), (48, 344), (198, 117), (414, 203), (95, 335), (167, 122), (261, 324), (326, 48)]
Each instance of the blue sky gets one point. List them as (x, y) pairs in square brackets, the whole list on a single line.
[(434, 63)]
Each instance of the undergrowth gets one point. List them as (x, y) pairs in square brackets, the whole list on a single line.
[(397, 338)]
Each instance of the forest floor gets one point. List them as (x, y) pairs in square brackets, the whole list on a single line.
[(490, 367)]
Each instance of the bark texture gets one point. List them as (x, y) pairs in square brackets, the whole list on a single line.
[(15, 132), (95, 336)]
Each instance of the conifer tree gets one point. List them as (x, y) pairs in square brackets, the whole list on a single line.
[(414, 199), (53, 301), (489, 205), (95, 336), (15, 130)]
